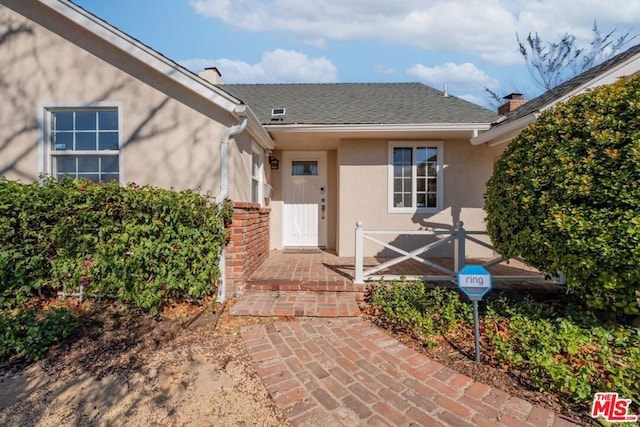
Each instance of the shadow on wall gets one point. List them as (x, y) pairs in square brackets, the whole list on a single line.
[(25, 123), (32, 73), (457, 181)]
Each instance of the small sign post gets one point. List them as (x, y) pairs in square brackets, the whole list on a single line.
[(475, 282)]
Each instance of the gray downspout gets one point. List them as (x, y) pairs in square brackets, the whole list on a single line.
[(224, 194)]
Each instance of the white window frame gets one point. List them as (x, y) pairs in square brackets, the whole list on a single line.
[(260, 177), (46, 153), (439, 146)]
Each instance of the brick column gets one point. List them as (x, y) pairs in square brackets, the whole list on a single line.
[(248, 245)]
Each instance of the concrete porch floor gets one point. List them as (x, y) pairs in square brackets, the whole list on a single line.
[(318, 283)]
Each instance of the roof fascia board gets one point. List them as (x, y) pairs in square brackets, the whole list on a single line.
[(440, 127), (258, 132), (507, 132), (611, 75), (136, 49)]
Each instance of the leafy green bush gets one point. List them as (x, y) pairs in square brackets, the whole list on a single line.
[(565, 196), (410, 306), (559, 347), (142, 245), (565, 350), (24, 333)]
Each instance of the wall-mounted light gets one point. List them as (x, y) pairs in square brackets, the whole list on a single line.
[(275, 163)]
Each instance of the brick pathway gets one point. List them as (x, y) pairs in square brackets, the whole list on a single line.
[(313, 271), (345, 372), (296, 304)]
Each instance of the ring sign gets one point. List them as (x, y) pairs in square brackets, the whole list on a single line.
[(474, 281)]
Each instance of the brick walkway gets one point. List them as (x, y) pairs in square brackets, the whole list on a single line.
[(296, 304), (317, 283), (301, 284), (325, 271), (305, 271), (345, 372)]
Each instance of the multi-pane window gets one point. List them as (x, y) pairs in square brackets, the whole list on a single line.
[(415, 178), (84, 143), (402, 177), (302, 168), (426, 177), (256, 177)]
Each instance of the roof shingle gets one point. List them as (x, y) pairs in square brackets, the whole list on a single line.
[(357, 103)]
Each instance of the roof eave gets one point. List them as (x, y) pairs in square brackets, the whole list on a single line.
[(256, 130), (433, 127), (137, 50), (506, 132)]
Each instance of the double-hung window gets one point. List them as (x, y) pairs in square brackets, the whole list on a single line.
[(415, 177), (257, 176), (83, 142)]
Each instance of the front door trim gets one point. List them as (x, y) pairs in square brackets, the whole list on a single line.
[(321, 192)]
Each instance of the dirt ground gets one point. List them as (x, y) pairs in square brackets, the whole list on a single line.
[(177, 370)]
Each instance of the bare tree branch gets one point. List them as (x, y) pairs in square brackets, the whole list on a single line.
[(555, 62)]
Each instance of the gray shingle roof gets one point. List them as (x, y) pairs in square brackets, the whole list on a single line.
[(357, 103), (558, 92)]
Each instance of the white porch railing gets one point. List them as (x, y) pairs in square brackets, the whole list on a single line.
[(459, 236)]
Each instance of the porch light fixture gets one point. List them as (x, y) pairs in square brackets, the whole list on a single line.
[(275, 163)]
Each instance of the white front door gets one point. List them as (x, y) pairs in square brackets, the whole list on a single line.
[(305, 198)]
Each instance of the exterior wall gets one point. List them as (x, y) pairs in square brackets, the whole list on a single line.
[(363, 196), (496, 152), (170, 139), (332, 199), (248, 245), (276, 204), (240, 152)]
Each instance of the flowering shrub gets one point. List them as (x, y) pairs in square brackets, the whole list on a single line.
[(142, 245)]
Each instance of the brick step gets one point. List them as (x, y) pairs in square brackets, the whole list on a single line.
[(304, 285), (296, 304)]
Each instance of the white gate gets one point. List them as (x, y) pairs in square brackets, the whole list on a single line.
[(458, 236)]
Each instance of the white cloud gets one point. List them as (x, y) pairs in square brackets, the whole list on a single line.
[(461, 77), (277, 66), (483, 28)]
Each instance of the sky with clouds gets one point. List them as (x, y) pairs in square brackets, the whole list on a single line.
[(469, 45)]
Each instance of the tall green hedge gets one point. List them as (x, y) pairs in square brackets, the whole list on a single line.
[(565, 195), (142, 245)]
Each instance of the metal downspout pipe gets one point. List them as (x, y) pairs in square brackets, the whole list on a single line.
[(223, 195)]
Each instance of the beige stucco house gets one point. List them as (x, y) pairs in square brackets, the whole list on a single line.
[(301, 162), (80, 97), (394, 156)]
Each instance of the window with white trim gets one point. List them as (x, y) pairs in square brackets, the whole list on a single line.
[(83, 142), (415, 177), (257, 174)]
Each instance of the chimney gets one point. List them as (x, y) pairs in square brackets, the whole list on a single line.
[(212, 75), (514, 100)]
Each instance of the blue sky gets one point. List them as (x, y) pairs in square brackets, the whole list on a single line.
[(466, 44)]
